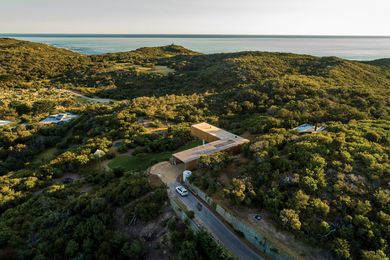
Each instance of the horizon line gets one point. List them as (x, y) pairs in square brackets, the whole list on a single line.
[(139, 35)]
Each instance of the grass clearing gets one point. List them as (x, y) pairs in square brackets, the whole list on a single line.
[(160, 69), (141, 162), (164, 70)]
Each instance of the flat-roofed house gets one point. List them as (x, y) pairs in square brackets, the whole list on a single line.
[(61, 118), (308, 128), (217, 140)]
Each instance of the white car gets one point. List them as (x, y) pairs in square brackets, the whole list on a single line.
[(182, 191)]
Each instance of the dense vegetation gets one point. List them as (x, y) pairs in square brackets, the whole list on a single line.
[(330, 188), (26, 61), (194, 246)]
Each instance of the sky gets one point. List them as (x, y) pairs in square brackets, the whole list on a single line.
[(277, 17)]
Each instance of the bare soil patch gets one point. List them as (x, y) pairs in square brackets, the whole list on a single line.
[(167, 172)]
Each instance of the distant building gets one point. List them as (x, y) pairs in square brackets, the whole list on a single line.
[(61, 118), (5, 122), (308, 128), (218, 140)]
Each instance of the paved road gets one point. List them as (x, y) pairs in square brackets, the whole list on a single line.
[(216, 227)]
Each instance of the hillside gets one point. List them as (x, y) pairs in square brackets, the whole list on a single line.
[(310, 88), (60, 199), (385, 63), (26, 61), (146, 54)]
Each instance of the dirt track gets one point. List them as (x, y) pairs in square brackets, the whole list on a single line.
[(168, 173)]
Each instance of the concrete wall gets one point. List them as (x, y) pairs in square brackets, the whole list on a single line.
[(253, 236), (191, 165), (202, 135)]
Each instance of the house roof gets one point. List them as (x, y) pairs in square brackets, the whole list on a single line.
[(308, 128), (227, 140), (214, 131), (62, 117)]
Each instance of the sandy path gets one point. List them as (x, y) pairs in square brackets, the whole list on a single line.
[(95, 99)]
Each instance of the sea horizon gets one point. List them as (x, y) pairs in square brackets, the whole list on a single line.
[(352, 47), (158, 35)]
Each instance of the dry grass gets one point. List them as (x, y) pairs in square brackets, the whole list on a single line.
[(164, 70)]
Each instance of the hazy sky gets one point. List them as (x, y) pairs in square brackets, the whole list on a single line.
[(319, 17)]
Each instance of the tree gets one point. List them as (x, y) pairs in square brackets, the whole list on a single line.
[(310, 184), (215, 161), (290, 218), (382, 197), (188, 251), (43, 106), (301, 200), (341, 248), (134, 250), (21, 108), (71, 248), (374, 255), (320, 207), (363, 207)]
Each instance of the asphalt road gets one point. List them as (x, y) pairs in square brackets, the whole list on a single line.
[(216, 227)]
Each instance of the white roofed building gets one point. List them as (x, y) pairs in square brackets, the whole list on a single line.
[(59, 118)]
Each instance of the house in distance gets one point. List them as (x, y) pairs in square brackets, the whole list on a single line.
[(5, 122), (308, 128), (59, 119), (217, 140)]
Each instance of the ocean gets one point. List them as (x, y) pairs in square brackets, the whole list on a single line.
[(348, 47)]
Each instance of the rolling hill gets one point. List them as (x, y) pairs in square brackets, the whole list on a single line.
[(330, 188)]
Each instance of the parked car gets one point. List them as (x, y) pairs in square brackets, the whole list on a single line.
[(182, 191)]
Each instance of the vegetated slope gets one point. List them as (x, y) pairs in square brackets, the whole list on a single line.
[(256, 67), (22, 61), (45, 216), (331, 187), (342, 174), (26, 61), (305, 86), (240, 82), (145, 54), (271, 93), (385, 63), (127, 71)]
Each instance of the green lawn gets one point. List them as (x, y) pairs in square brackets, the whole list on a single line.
[(141, 162)]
